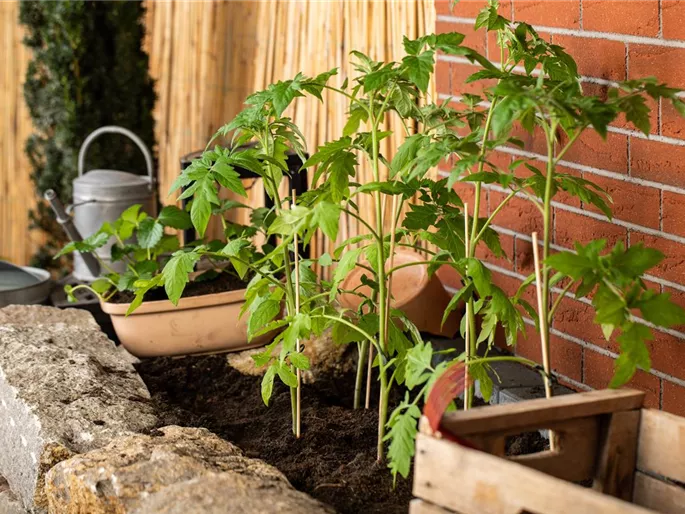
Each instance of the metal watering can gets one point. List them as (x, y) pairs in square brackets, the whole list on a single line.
[(102, 195)]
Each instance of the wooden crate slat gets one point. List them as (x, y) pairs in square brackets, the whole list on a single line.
[(661, 446), (418, 506), (657, 495), (510, 417), (576, 454), (616, 461), (473, 482)]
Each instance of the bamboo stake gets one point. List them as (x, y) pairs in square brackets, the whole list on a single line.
[(467, 313), (297, 311), (544, 342)]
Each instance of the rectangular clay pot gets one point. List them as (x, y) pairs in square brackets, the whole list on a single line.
[(198, 324)]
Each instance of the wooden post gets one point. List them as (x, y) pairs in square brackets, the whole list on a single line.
[(297, 311), (467, 313), (544, 342)]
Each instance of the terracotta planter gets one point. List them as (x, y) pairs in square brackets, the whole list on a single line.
[(199, 324), (421, 297)]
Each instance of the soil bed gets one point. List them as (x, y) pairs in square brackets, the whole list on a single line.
[(221, 283), (334, 460)]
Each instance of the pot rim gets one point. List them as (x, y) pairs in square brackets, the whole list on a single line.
[(187, 303)]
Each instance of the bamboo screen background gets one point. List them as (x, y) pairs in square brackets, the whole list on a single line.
[(206, 58)]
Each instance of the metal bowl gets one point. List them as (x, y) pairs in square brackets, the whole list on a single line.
[(28, 295)]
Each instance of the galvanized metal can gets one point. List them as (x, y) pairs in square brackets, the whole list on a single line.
[(102, 195)]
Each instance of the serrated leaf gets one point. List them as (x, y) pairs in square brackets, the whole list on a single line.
[(262, 315), (327, 217), (175, 273), (172, 216), (419, 68), (150, 233), (286, 375), (299, 360), (268, 382)]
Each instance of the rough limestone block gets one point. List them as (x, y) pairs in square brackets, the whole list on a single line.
[(174, 470), (64, 389), (9, 503)]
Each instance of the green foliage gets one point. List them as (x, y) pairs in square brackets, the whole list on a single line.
[(88, 69)]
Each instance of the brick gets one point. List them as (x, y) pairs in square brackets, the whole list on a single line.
[(631, 202), (658, 162), (673, 213), (518, 214), (660, 61), (561, 13), (591, 150), (464, 8), (672, 123), (507, 262), (443, 76), (673, 266), (607, 60), (576, 318), (637, 17), (599, 369), (570, 228), (673, 19), (566, 357), (510, 285), (524, 256), (474, 38), (461, 72), (532, 142), (673, 398), (668, 354)]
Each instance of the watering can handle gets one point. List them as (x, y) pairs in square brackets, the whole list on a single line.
[(113, 129)]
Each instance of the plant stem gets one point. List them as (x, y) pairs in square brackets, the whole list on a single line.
[(359, 379)]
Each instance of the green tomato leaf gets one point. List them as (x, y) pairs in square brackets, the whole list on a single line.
[(172, 216), (327, 217), (268, 382), (150, 233), (175, 273)]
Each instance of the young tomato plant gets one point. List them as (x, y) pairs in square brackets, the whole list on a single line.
[(139, 241), (261, 140), (538, 89)]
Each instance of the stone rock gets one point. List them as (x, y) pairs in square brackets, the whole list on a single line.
[(9, 503), (64, 389), (324, 356), (33, 315), (174, 470)]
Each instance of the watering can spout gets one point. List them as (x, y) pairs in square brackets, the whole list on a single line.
[(70, 229)]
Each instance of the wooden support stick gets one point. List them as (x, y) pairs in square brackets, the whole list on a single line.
[(297, 311), (467, 313), (544, 342)]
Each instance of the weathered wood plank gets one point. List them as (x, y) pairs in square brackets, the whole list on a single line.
[(616, 462), (473, 482), (657, 495), (539, 413), (661, 444), (418, 506)]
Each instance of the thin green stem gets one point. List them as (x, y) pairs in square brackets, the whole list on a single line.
[(363, 222), (561, 296), (359, 379), (492, 217)]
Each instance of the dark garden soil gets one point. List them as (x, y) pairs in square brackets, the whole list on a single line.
[(334, 460), (222, 283)]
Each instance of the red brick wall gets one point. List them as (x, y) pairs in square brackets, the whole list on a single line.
[(611, 40)]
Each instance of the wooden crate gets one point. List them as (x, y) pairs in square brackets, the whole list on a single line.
[(635, 458)]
